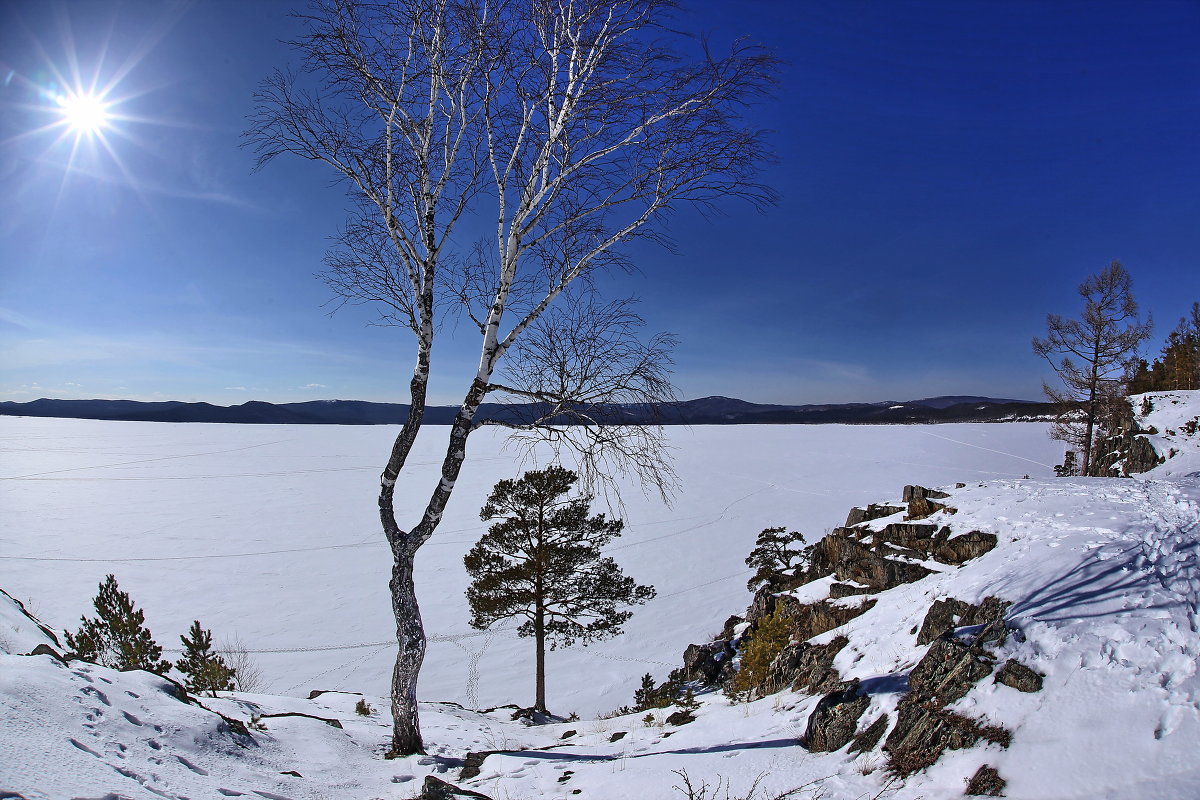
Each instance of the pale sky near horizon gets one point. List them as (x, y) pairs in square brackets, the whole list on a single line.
[(950, 171)]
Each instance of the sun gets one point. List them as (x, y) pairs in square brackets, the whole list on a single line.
[(86, 114)]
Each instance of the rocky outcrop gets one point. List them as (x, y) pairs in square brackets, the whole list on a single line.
[(865, 559), (949, 669), (925, 730), (1127, 451), (923, 502), (832, 723), (851, 561), (873, 511)]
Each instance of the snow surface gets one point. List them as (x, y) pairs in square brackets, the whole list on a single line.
[(1104, 575), (271, 532)]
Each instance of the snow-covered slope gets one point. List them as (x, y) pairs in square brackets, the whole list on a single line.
[(1103, 574)]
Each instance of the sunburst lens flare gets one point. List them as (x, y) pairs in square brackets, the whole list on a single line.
[(86, 114)]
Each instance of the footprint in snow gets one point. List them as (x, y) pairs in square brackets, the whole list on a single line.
[(191, 766), (131, 719), (84, 748), (96, 693), (231, 792)]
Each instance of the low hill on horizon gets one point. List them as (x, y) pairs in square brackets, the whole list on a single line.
[(713, 410)]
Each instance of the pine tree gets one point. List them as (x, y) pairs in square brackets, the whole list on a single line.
[(117, 637), (773, 553), (1178, 365), (542, 562), (204, 670)]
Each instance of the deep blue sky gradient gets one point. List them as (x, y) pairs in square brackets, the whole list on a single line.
[(950, 172)]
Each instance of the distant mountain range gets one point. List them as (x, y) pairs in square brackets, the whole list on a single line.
[(704, 411)]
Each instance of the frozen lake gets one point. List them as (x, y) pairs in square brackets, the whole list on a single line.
[(270, 533)]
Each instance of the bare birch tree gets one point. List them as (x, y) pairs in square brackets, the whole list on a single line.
[(567, 127), (1105, 342)]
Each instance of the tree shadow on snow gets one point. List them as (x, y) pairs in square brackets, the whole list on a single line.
[(1091, 590)]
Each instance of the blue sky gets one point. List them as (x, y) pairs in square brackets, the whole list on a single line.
[(950, 171)]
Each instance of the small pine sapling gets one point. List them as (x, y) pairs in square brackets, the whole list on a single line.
[(363, 708), (774, 553), (117, 636), (687, 702), (204, 670), (648, 696)]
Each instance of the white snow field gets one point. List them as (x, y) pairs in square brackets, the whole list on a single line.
[(269, 532)]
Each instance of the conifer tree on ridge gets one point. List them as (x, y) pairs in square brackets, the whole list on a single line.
[(117, 637), (542, 562)]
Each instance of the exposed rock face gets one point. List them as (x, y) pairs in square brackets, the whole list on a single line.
[(832, 723), (437, 789), (946, 615), (986, 782), (44, 649), (1019, 677), (1128, 452), (680, 718), (960, 549)]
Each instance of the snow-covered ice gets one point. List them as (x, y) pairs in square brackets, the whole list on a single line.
[(269, 532)]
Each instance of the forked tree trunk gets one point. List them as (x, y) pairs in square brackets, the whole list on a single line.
[(410, 636), (410, 633)]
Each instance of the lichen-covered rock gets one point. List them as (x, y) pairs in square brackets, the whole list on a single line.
[(832, 723), (1019, 677)]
